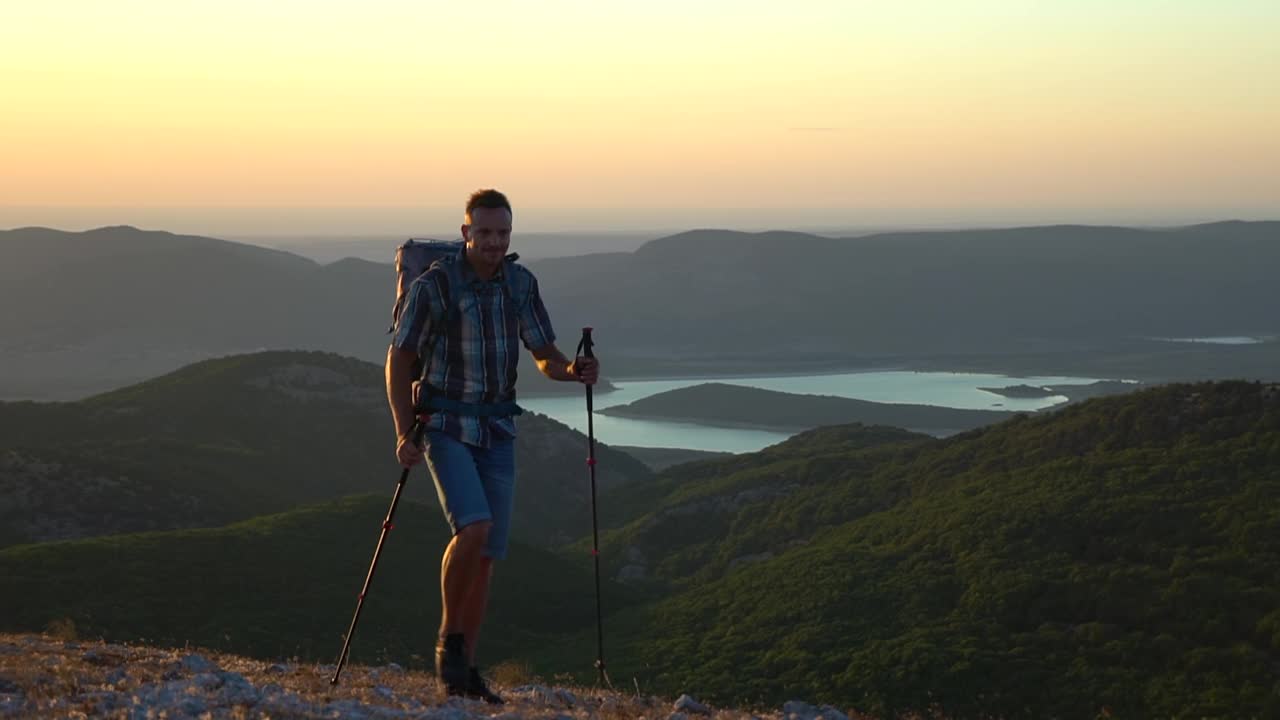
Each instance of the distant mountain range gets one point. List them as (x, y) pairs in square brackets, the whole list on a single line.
[(115, 305), (228, 439)]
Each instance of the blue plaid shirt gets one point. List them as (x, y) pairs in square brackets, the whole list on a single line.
[(474, 358)]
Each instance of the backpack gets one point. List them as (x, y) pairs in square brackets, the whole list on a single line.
[(416, 257)]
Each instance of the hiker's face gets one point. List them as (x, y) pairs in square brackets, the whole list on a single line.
[(488, 233)]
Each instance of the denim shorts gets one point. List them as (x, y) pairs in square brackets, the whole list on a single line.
[(475, 484)]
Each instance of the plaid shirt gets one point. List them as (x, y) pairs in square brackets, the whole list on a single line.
[(474, 358)]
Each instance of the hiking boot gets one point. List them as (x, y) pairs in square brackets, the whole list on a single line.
[(477, 689), (451, 664)]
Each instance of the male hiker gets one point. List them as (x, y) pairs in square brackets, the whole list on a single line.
[(463, 319)]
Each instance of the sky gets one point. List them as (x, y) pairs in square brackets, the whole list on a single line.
[(292, 117)]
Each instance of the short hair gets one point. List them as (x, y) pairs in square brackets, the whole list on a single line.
[(487, 198)]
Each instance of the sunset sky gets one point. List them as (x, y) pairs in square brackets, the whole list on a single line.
[(613, 113)]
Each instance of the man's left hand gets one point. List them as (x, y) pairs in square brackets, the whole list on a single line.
[(586, 370)]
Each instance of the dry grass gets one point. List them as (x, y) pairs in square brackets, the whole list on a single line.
[(63, 677), (66, 678)]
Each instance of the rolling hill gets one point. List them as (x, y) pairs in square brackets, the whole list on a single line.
[(236, 437), (285, 586), (1119, 556)]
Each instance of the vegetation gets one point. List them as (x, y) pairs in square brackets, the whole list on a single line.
[(285, 586), (228, 439), (1121, 554)]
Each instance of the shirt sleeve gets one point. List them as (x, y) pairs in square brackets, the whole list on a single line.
[(415, 318), (535, 323)]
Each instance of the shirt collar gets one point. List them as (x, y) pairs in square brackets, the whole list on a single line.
[(468, 273)]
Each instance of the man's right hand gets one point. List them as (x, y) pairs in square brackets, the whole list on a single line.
[(408, 454)]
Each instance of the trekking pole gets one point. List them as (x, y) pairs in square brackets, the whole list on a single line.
[(584, 350), (415, 434)]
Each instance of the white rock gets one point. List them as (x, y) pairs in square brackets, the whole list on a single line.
[(553, 697), (194, 663), (347, 710), (799, 710), (206, 681), (237, 690), (11, 705), (687, 704), (452, 709)]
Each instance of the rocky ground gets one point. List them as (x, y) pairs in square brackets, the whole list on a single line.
[(42, 676)]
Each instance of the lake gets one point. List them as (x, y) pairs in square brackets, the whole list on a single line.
[(956, 390)]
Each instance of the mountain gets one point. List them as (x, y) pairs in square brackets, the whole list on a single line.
[(727, 405), (1119, 557), (976, 291), (285, 586), (115, 305), (240, 436)]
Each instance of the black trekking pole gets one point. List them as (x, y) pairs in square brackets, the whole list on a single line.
[(584, 350), (415, 434)]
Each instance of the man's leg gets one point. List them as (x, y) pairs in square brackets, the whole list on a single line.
[(496, 467), (474, 607), (454, 469), (462, 569)]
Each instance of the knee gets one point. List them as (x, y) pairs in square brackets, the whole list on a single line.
[(475, 536)]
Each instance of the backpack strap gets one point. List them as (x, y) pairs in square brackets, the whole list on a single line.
[(517, 284)]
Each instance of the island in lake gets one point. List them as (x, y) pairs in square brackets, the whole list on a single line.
[(726, 405), (1073, 393)]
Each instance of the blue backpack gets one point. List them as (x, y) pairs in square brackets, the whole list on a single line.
[(416, 257)]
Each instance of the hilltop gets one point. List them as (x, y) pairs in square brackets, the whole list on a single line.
[(50, 676)]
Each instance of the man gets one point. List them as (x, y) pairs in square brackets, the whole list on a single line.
[(462, 320)]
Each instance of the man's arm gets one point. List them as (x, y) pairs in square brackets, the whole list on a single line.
[(400, 379), (553, 364)]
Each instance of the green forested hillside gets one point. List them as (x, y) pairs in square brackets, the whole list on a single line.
[(1120, 556), (245, 435), (1123, 553), (285, 585)]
